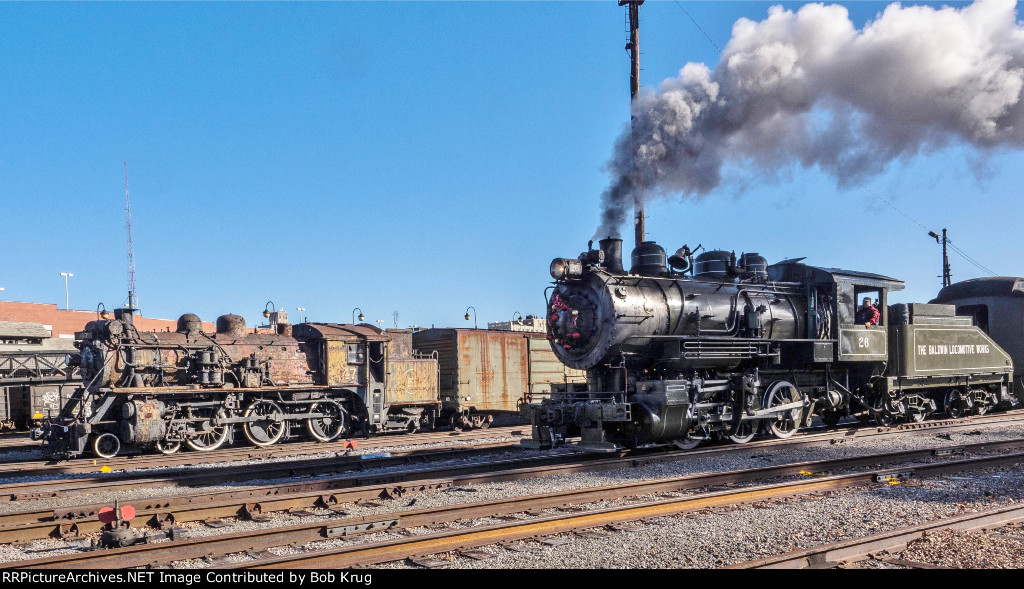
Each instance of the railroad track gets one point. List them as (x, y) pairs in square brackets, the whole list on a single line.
[(133, 480), (16, 440), (34, 466), (342, 462), (327, 492), (844, 552), (573, 517)]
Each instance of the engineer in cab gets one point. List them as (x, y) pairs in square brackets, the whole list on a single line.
[(867, 314)]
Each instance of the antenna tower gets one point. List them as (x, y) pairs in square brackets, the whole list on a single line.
[(132, 298)]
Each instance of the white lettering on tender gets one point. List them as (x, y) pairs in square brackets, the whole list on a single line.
[(952, 350)]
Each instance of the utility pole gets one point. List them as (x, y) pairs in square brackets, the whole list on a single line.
[(633, 46), (947, 277), (132, 296)]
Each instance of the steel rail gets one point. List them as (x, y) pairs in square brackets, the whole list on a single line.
[(342, 462), (34, 466), (15, 440), (251, 540), (855, 549), (234, 474), (372, 553), (165, 511)]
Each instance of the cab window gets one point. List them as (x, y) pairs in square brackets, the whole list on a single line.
[(356, 354), (869, 306)]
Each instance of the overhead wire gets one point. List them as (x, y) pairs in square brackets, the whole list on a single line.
[(949, 242), (701, 29)]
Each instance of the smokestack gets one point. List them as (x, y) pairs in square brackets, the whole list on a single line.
[(612, 248)]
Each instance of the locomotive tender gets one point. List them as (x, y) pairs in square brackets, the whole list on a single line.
[(683, 349)]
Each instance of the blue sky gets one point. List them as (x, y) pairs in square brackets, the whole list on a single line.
[(411, 157)]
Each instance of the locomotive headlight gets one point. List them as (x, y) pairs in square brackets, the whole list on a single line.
[(564, 268)]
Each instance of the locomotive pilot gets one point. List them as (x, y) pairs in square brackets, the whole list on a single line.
[(867, 314)]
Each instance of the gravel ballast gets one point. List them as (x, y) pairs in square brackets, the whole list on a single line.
[(701, 540)]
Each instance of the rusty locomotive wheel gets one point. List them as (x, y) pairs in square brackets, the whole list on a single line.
[(333, 424), (268, 428), (209, 437), (106, 445), (168, 446)]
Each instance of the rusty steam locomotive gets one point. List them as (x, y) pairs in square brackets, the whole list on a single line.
[(153, 390), (686, 349), (188, 387)]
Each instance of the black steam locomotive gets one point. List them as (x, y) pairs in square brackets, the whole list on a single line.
[(687, 349)]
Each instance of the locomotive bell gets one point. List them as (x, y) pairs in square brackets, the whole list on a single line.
[(681, 259)]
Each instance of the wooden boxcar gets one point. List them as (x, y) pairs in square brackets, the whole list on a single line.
[(485, 372)]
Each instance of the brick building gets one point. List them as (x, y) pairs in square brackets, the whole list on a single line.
[(64, 323)]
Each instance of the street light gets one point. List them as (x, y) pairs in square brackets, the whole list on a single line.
[(474, 315), (520, 320), (300, 310), (380, 324), (360, 315), (67, 299)]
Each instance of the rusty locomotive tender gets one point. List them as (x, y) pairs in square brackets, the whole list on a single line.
[(689, 348), (153, 390)]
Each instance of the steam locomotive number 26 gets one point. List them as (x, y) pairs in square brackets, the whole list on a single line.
[(695, 349)]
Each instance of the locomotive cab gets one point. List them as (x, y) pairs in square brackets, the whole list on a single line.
[(833, 298)]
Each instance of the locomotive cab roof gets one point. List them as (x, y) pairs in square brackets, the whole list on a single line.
[(792, 271), (339, 331)]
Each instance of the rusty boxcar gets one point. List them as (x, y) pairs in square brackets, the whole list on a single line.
[(485, 372)]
